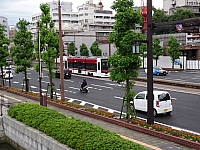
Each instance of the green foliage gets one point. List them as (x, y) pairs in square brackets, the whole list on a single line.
[(49, 42), (160, 16), (95, 50), (124, 63), (174, 49), (84, 50), (77, 134), (22, 52), (71, 49), (157, 49), (4, 42)]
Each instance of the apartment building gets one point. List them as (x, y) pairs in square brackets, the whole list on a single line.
[(12, 31), (4, 22), (170, 6)]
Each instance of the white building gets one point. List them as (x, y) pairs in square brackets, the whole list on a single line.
[(169, 6), (4, 22)]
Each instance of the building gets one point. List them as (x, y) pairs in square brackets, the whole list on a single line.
[(12, 31), (170, 6), (4, 22)]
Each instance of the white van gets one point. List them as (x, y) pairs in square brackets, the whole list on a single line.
[(162, 102)]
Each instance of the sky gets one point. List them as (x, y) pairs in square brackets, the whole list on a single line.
[(15, 9)]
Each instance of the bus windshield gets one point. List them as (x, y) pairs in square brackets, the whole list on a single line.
[(104, 65)]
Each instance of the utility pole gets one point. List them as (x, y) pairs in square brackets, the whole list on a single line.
[(39, 63), (150, 117), (61, 55)]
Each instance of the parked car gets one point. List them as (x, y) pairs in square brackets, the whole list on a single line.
[(6, 74), (159, 71), (162, 102)]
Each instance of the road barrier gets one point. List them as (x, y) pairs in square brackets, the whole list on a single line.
[(170, 82)]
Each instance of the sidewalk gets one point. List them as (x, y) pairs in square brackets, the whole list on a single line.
[(150, 142)]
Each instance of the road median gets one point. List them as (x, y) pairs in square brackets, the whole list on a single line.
[(170, 82)]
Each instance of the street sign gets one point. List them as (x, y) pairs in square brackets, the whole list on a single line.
[(179, 27)]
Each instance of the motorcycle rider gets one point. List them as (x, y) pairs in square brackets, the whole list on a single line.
[(83, 84)]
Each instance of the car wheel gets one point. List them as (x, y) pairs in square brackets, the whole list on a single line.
[(168, 113), (164, 74), (154, 112), (157, 73)]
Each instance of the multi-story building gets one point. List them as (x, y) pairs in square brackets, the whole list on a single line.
[(170, 6), (12, 31), (4, 22)]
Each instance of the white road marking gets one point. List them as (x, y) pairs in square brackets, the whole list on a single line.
[(16, 82), (118, 97), (102, 86), (34, 87), (74, 88), (69, 80), (45, 81)]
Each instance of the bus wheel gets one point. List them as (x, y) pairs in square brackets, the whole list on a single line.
[(91, 74), (88, 74)]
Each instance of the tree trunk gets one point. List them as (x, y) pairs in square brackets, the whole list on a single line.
[(143, 62), (51, 82), (2, 76), (172, 64), (26, 81), (128, 109), (156, 62)]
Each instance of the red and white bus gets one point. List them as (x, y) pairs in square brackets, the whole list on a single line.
[(92, 66)]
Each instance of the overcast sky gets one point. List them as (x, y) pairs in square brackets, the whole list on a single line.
[(15, 9)]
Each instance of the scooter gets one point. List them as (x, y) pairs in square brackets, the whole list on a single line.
[(84, 89)]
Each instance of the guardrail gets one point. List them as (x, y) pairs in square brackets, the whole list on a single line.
[(169, 82)]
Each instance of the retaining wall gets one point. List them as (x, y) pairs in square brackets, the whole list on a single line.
[(29, 138)]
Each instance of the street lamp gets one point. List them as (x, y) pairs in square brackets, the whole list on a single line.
[(135, 49)]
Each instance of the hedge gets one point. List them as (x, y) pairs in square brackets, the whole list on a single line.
[(77, 134)]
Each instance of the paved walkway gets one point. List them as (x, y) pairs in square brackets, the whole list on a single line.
[(150, 142)]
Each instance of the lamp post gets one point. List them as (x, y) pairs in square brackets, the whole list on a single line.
[(150, 117), (40, 66), (61, 55), (135, 49)]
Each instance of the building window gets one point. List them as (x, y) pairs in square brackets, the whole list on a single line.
[(86, 20), (86, 14), (86, 8)]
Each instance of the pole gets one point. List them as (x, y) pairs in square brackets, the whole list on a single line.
[(9, 77), (150, 117), (39, 63), (61, 54)]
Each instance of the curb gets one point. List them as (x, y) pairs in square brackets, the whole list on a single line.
[(158, 134), (168, 82)]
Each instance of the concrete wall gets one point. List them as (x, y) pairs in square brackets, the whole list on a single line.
[(29, 138)]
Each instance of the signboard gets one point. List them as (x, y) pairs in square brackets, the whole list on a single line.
[(179, 27)]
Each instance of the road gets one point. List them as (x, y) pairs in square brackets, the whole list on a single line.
[(182, 76), (107, 95)]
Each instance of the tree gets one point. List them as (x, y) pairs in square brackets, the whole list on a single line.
[(72, 48), (84, 50), (95, 50), (181, 14), (160, 16), (157, 49), (49, 43), (124, 63), (173, 49), (22, 52), (4, 42)]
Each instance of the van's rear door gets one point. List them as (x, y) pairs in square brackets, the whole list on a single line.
[(164, 100)]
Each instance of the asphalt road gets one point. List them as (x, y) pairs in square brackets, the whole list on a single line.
[(107, 95), (182, 76)]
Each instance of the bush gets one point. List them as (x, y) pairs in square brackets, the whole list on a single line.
[(77, 134)]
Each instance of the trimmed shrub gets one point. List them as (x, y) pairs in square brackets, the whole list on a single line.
[(77, 134)]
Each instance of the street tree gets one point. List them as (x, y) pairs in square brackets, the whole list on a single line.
[(22, 51), (4, 42), (181, 14), (49, 44), (157, 49), (125, 64), (173, 49), (143, 52), (72, 49), (84, 50), (95, 50)]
